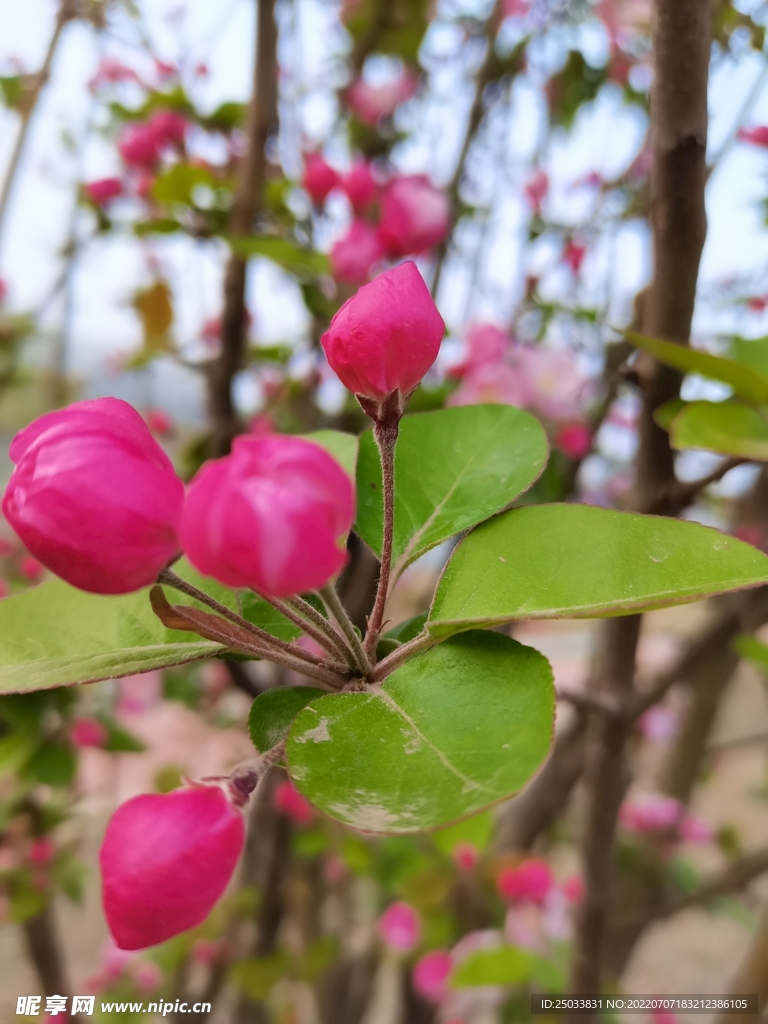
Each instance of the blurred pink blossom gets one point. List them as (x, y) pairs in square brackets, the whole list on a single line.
[(415, 216), (289, 801), (334, 869), (400, 927), (536, 190), (138, 145), (31, 569), (42, 851), (465, 856), (87, 732), (757, 136), (139, 692), (484, 343), (573, 888), (529, 882), (148, 976), (354, 256), (4, 589), (111, 70), (663, 1017), (574, 440), (319, 177), (158, 421), (360, 186), (3, 290), (515, 8), (558, 389), (430, 975), (573, 254), (372, 102), (650, 813), (696, 830), (204, 951), (494, 383), (103, 190), (658, 724)]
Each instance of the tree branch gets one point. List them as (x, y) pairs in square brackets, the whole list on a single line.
[(248, 202)]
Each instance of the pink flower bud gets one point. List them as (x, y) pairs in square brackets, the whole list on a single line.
[(168, 127), (289, 801), (536, 190), (360, 186), (650, 812), (94, 497), (159, 422), (415, 216), (431, 973), (165, 861), (204, 951), (319, 177), (385, 338), (138, 145), (103, 190), (528, 882), (372, 102), (87, 732), (270, 516), (354, 255), (42, 851), (755, 136), (573, 255), (573, 889), (465, 856), (400, 927), (31, 569), (574, 440)]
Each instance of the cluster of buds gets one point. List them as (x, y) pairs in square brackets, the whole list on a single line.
[(96, 499)]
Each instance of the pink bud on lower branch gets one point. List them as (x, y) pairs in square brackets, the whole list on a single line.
[(165, 861), (384, 339)]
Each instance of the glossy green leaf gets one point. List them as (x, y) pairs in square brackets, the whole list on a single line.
[(451, 732), (273, 712), (55, 635), (261, 613), (476, 830), (579, 561), (343, 447), (753, 650), (453, 469), (289, 255), (752, 351), (177, 184), (747, 381), (726, 427), (408, 629)]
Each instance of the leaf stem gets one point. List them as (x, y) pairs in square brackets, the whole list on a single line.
[(333, 602), (387, 665), (385, 435), (272, 645), (328, 640)]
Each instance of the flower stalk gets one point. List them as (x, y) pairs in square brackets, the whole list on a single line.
[(385, 434)]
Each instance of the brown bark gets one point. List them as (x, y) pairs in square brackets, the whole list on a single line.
[(752, 974), (681, 46), (248, 203), (46, 954)]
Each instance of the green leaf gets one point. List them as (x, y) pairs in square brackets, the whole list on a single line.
[(273, 712), (257, 977), (578, 561), (177, 184), (343, 447), (751, 351), (726, 427), (451, 732), (753, 650), (298, 261), (53, 764), (506, 965), (746, 381), (121, 741), (261, 613), (453, 469), (408, 629), (476, 830)]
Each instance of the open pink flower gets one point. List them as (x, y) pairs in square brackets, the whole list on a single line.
[(415, 216), (528, 882), (484, 343), (165, 861), (400, 927), (354, 256), (372, 102), (431, 973)]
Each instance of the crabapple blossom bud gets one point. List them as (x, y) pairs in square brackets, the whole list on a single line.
[(94, 497), (138, 145), (87, 732), (574, 440), (415, 216), (319, 177), (385, 338), (168, 127), (42, 851), (400, 927), (372, 102), (536, 190), (650, 812), (528, 882), (103, 189), (360, 186), (465, 856), (353, 256), (165, 861), (271, 516), (430, 975)]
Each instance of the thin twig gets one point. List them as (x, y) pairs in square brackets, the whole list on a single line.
[(339, 612), (386, 441), (387, 665), (66, 13), (326, 641), (594, 702), (266, 640), (305, 609), (682, 494)]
